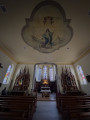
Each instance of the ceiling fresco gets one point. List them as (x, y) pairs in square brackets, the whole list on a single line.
[(47, 29)]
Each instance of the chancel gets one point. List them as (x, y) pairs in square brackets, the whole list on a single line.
[(45, 76), (44, 60)]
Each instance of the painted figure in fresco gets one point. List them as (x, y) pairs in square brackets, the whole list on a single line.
[(48, 37)]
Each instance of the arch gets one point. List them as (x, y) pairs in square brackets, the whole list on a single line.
[(81, 75), (8, 74), (43, 64), (49, 2)]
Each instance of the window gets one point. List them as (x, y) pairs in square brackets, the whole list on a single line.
[(45, 72), (51, 74), (38, 73), (8, 74), (81, 75)]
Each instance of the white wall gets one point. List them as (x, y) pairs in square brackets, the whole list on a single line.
[(59, 67), (31, 71), (85, 64), (6, 61)]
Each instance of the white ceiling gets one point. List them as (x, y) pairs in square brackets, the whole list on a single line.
[(12, 22)]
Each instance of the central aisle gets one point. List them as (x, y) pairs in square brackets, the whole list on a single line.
[(46, 110)]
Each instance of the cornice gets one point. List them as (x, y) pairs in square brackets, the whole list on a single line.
[(7, 54)]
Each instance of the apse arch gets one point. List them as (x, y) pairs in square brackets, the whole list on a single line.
[(41, 73)]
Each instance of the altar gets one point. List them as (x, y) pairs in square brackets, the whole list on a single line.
[(45, 91)]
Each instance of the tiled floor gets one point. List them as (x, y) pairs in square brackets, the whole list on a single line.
[(46, 110)]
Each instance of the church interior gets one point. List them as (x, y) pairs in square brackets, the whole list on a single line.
[(44, 60)]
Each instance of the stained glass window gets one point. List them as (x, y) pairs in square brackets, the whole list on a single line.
[(8, 74), (81, 75)]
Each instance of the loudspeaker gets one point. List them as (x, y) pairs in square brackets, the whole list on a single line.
[(88, 78)]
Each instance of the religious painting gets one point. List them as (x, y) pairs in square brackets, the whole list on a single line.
[(47, 29)]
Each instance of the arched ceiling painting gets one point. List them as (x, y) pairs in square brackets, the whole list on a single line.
[(47, 29)]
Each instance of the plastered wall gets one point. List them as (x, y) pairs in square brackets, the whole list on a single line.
[(6, 61), (85, 64)]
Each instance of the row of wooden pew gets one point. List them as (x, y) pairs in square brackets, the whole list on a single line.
[(74, 107), (17, 107)]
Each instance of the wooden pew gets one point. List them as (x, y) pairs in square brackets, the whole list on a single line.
[(22, 110), (11, 116), (25, 105), (30, 98), (84, 116), (74, 106)]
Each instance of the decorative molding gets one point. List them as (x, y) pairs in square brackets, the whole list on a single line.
[(57, 63), (47, 29), (83, 55), (8, 54)]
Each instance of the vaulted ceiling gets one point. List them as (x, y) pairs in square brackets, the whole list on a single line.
[(13, 16)]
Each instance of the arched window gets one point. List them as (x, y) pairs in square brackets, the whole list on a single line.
[(8, 74), (45, 72), (81, 75), (38, 73), (51, 74)]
